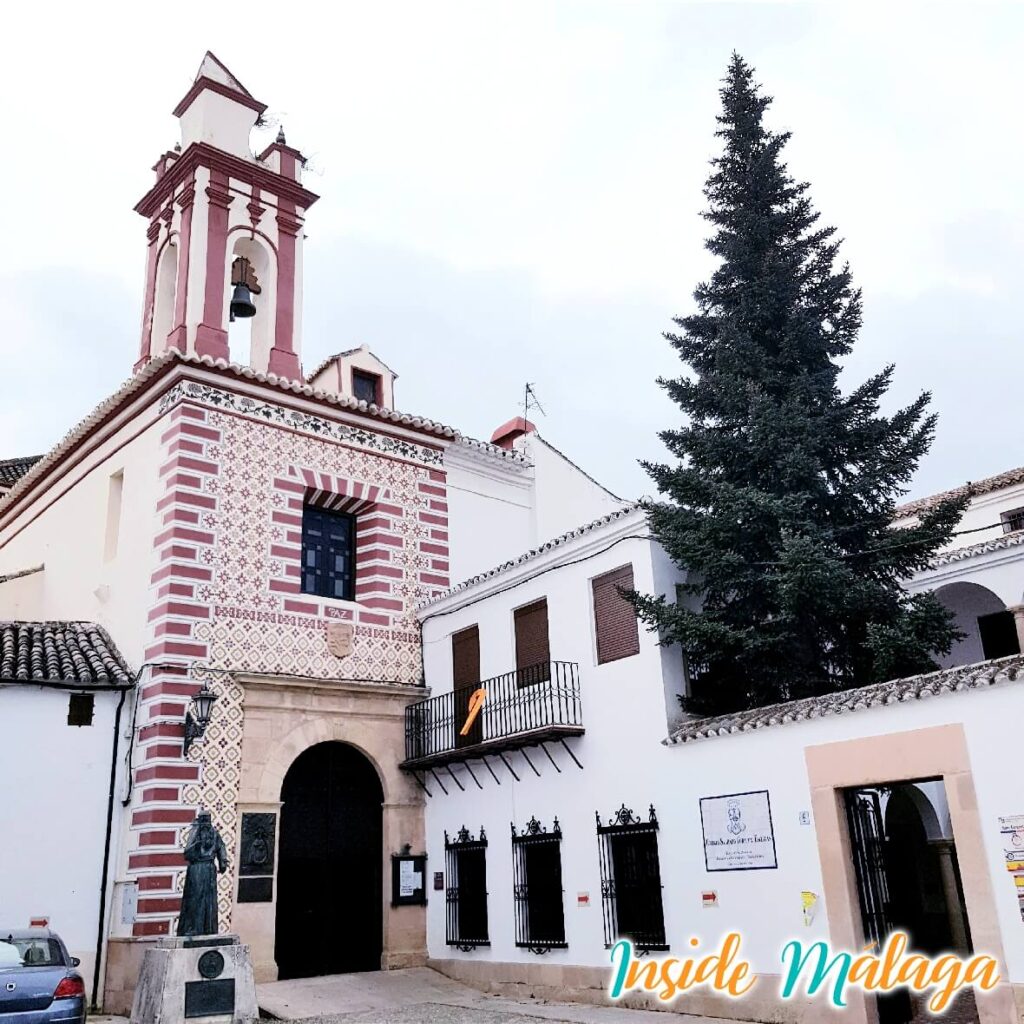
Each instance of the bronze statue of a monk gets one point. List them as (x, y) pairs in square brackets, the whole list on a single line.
[(203, 851)]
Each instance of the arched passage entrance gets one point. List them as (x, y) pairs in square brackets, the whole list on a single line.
[(988, 627), (330, 895)]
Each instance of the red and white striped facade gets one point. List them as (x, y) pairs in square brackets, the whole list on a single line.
[(225, 595)]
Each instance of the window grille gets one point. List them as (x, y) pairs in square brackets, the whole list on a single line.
[(1013, 520), (466, 893), (328, 553), (631, 902), (537, 867), (615, 625)]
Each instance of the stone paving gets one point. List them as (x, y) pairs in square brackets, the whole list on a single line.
[(422, 996)]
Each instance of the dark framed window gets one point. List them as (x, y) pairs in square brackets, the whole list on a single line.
[(366, 387), (998, 633), (631, 880), (615, 625), (533, 651), (80, 709), (537, 890), (465, 860), (328, 553), (465, 682), (1013, 520)]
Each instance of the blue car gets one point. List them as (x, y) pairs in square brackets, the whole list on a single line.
[(38, 980)]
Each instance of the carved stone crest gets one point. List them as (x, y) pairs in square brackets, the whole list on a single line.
[(339, 638)]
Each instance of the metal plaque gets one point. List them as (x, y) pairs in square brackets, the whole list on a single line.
[(211, 964), (339, 638), (256, 890), (209, 998), (257, 854)]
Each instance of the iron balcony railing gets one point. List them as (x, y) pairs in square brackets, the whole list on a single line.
[(527, 705)]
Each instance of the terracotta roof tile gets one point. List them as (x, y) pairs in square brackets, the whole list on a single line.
[(974, 488), (896, 691), (73, 653), (527, 556), (12, 470)]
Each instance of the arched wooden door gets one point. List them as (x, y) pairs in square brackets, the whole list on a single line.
[(330, 886)]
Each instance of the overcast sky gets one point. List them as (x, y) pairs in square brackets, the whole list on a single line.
[(511, 192)]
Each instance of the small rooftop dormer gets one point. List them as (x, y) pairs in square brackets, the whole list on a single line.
[(356, 373)]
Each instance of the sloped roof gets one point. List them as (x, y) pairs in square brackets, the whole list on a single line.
[(161, 363), (527, 556), (897, 691), (975, 487), (349, 352), (73, 654), (12, 470)]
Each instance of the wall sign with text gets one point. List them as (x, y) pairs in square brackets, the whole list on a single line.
[(738, 832)]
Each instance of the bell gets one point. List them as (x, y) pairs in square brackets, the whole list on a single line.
[(241, 302)]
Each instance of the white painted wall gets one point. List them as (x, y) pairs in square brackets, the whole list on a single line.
[(56, 780), (623, 765), (565, 496), (625, 705), (66, 529), (499, 508)]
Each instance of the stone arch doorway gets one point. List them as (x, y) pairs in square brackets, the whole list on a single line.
[(330, 875)]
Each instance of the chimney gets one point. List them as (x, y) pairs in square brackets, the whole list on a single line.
[(507, 433)]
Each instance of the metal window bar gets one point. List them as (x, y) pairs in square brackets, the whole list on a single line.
[(466, 892), (631, 889), (868, 846), (1013, 520), (537, 889), (432, 726)]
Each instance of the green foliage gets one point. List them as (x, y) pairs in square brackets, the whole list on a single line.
[(780, 501)]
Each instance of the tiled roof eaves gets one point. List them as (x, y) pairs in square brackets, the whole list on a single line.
[(491, 450), (951, 680), (533, 553), (341, 355), (984, 547), (974, 488), (12, 470), (161, 364), (70, 655)]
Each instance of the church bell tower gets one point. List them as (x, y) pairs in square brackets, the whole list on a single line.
[(225, 233)]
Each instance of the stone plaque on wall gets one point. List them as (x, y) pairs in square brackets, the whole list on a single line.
[(257, 854), (339, 638)]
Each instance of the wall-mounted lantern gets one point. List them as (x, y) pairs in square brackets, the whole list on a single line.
[(195, 725)]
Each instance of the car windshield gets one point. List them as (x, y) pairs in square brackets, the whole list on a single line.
[(30, 953)]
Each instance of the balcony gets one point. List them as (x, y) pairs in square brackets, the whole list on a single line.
[(521, 709)]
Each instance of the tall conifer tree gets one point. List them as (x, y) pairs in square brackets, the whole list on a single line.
[(781, 501)]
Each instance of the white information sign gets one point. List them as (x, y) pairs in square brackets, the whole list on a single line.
[(738, 833), (408, 878)]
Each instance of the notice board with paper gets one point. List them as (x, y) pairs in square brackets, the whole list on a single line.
[(408, 879)]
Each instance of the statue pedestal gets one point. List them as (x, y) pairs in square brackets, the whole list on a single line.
[(207, 978)]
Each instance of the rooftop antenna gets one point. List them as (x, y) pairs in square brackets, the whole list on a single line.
[(530, 401)]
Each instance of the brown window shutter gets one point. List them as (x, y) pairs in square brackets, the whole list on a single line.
[(533, 652), (618, 635), (466, 657)]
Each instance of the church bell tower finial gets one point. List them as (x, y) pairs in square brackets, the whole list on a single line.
[(216, 203)]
